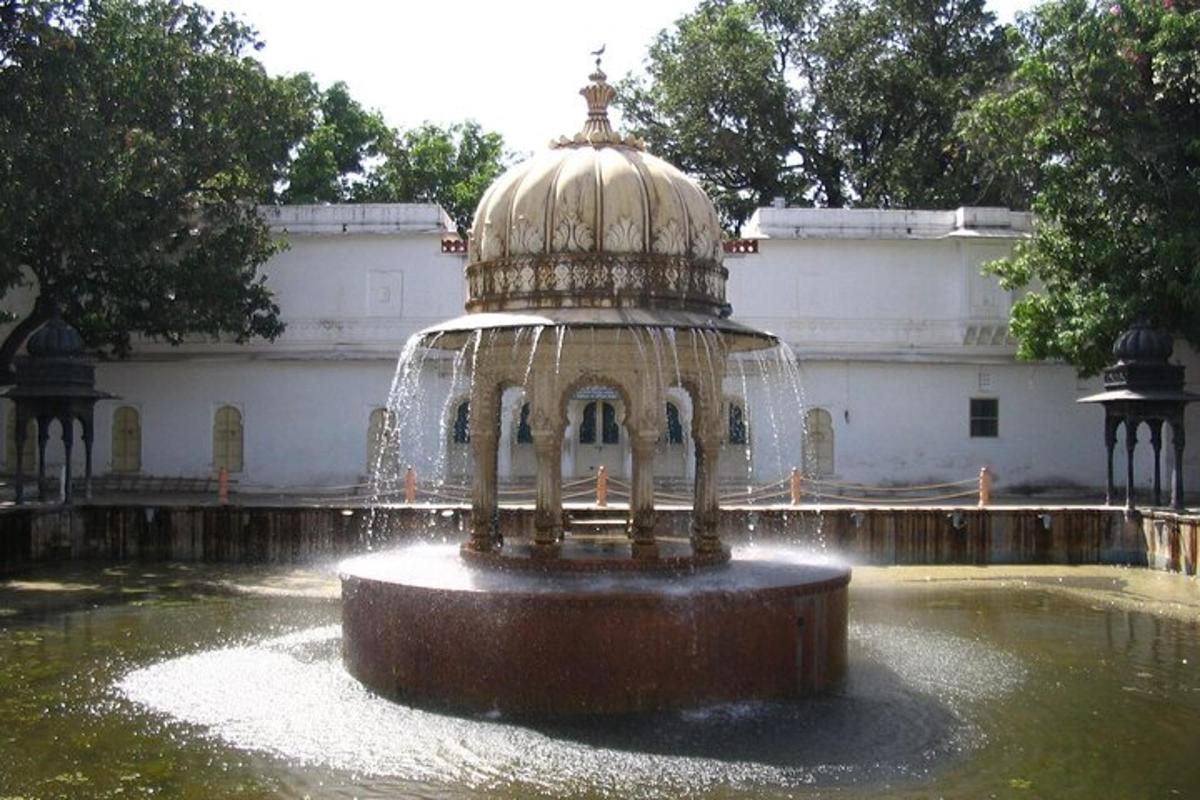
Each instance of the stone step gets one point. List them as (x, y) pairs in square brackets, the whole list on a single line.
[(599, 524)]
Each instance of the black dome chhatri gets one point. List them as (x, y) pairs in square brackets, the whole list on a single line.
[(55, 339), (1143, 343), (1143, 387), (55, 381)]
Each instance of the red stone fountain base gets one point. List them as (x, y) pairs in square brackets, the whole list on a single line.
[(422, 627)]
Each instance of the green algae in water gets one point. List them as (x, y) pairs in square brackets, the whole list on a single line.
[(956, 689)]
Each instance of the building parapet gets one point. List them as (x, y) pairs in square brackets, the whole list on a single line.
[(843, 223), (359, 218)]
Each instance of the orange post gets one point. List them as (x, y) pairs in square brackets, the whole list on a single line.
[(797, 489), (223, 486), (985, 487), (410, 486), (601, 487)]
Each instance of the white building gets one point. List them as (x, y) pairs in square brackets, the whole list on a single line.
[(907, 374)]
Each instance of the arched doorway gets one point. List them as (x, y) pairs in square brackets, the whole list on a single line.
[(597, 414)]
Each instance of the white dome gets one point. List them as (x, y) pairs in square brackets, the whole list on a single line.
[(595, 222)]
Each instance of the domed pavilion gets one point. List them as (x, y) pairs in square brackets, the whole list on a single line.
[(592, 265), (616, 255)]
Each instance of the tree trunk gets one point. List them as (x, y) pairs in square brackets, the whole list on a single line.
[(17, 337)]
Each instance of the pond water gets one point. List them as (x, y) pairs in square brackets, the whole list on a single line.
[(195, 682)]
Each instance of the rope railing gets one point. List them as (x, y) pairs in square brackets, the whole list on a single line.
[(980, 488), (889, 500), (885, 487), (742, 498), (797, 489)]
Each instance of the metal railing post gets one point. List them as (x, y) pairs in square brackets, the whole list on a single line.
[(410, 486), (601, 487)]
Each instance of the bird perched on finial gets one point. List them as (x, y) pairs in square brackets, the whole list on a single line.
[(598, 53)]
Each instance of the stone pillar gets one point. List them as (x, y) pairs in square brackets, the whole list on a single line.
[(547, 424), (1131, 424), (43, 436), (706, 433), (1177, 479), (706, 509), (22, 422), (68, 439), (89, 434), (1110, 444), (1156, 426), (547, 520), (484, 426), (641, 501)]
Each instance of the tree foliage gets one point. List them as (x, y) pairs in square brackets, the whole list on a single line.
[(350, 155), (715, 102), (451, 166), (134, 139), (334, 157), (1102, 116), (889, 78), (849, 103)]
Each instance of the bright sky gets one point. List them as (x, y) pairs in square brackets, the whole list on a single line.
[(515, 67)]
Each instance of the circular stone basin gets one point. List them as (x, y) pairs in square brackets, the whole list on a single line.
[(421, 626)]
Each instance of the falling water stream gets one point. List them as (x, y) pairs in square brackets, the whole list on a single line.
[(432, 379)]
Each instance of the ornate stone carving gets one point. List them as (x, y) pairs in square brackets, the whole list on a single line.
[(526, 237), (623, 236), (571, 233), (668, 238), (705, 243)]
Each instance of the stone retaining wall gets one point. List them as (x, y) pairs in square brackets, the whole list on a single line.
[(878, 536), (1171, 541)]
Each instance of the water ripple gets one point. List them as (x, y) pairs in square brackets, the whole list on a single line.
[(904, 711)]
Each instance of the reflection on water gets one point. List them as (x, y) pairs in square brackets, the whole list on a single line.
[(191, 689)]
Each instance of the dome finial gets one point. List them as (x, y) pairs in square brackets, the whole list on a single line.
[(598, 95), (597, 131)]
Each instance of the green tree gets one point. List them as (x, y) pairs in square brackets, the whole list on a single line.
[(134, 139), (451, 166), (1102, 117), (851, 103), (334, 157), (886, 80), (715, 102)]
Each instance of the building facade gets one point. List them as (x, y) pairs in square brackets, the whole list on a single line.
[(904, 372)]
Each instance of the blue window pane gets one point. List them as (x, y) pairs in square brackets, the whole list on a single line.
[(737, 424), (524, 434), (462, 423), (612, 434), (674, 427), (587, 427)]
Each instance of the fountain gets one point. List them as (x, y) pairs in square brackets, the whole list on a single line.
[(592, 264)]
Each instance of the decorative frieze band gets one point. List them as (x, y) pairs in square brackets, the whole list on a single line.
[(597, 280)]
